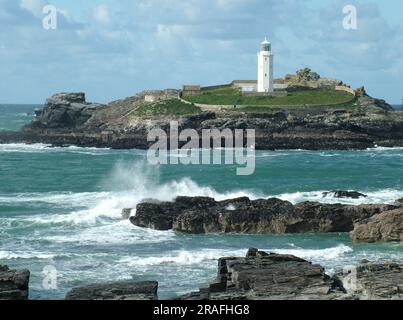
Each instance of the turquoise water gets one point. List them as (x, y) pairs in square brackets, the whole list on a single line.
[(61, 207), (13, 117)]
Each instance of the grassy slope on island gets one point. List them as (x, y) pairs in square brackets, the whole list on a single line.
[(173, 107), (230, 96)]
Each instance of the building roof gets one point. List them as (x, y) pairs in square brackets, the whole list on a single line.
[(191, 87), (265, 41)]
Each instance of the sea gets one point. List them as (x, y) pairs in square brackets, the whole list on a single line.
[(60, 211)]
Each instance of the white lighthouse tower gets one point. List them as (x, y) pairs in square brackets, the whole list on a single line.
[(265, 68)]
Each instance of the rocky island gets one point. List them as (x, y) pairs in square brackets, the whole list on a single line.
[(312, 114)]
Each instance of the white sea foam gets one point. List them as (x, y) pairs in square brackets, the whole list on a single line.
[(185, 257), (41, 148), (384, 148), (387, 196), (317, 254), (8, 255), (119, 233), (22, 147)]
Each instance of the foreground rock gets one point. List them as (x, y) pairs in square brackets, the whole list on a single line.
[(263, 276), (68, 119), (14, 284), (242, 215), (124, 290), (383, 227), (374, 282)]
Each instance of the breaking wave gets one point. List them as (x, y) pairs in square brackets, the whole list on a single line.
[(185, 257), (129, 185)]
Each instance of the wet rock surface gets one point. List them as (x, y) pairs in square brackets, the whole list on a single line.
[(14, 284), (265, 216)]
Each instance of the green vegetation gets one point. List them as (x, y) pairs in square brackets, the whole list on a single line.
[(300, 97), (172, 107), (295, 109)]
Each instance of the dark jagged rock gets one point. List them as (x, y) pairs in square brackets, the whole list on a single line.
[(271, 216), (14, 284), (345, 194), (384, 227), (124, 290), (65, 110), (160, 215), (269, 277)]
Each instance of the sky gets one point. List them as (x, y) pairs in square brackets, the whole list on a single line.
[(111, 49)]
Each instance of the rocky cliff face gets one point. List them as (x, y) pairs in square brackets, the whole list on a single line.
[(66, 110), (68, 119), (265, 216)]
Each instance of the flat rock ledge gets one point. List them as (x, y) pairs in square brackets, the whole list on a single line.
[(14, 284), (200, 215), (270, 276), (123, 290)]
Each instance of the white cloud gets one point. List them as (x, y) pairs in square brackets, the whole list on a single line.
[(102, 16), (207, 41), (33, 6)]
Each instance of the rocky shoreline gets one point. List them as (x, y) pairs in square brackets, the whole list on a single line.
[(67, 119), (258, 276), (271, 276)]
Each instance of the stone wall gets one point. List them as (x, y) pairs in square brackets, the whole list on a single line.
[(265, 94), (346, 89), (157, 95)]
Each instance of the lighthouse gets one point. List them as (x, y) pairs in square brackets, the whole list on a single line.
[(265, 68)]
